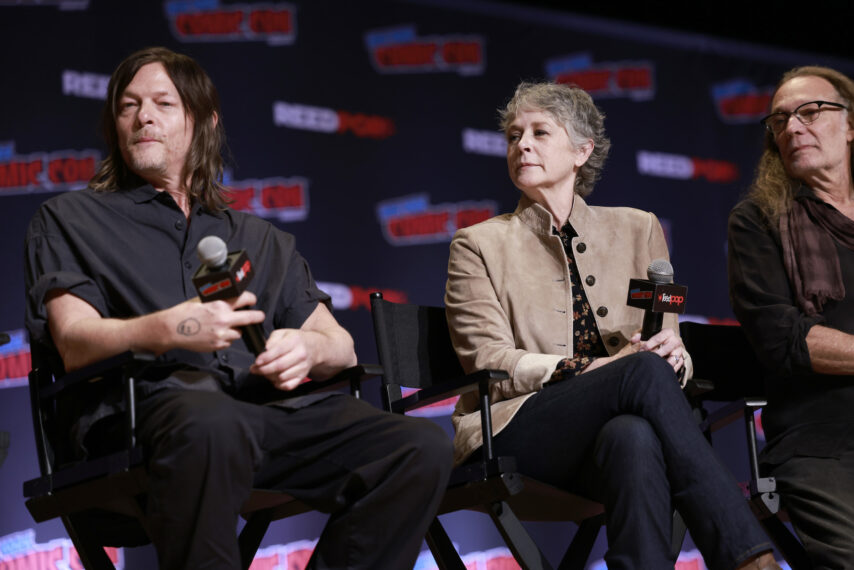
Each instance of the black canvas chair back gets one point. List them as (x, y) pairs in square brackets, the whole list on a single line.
[(723, 353), (414, 347), (728, 371)]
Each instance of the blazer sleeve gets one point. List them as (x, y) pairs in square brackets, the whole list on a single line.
[(480, 328)]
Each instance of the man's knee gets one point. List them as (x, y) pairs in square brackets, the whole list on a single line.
[(429, 449)]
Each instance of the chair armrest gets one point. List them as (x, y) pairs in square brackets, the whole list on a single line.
[(449, 389), (730, 412), (697, 387), (352, 377), (95, 372)]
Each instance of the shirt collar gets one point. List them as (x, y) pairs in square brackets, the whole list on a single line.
[(146, 193), (540, 220), (142, 194)]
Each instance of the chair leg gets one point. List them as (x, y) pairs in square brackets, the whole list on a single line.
[(791, 549), (518, 540), (89, 549), (678, 537), (582, 544), (252, 534), (444, 553)]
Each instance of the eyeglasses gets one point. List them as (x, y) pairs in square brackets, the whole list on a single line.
[(807, 113)]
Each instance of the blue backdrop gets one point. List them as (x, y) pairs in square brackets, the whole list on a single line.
[(368, 130)]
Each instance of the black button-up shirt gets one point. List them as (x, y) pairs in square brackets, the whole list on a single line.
[(809, 414), (132, 252)]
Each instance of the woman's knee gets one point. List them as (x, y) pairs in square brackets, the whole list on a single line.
[(649, 372), (651, 364), (628, 436)]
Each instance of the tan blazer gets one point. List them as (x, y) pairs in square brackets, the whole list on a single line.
[(509, 302)]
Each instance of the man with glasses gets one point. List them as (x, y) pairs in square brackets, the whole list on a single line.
[(791, 273)]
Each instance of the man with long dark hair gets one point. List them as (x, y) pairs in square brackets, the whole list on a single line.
[(791, 271), (109, 269)]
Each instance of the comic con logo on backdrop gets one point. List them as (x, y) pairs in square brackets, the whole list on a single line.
[(412, 220), (284, 199), (400, 50), (680, 167), (324, 120), (740, 101), (631, 79), (211, 21), (45, 171), (21, 551), (15, 361)]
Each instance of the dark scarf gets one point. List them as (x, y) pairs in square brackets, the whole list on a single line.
[(807, 232)]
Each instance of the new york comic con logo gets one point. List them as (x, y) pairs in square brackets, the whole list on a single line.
[(20, 551), (210, 21), (284, 199), (400, 50), (15, 361), (45, 171), (741, 101), (412, 220), (632, 79)]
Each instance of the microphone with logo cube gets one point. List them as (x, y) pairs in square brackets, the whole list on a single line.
[(224, 275), (656, 295)]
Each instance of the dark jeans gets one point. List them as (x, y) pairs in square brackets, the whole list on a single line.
[(818, 494), (380, 476), (624, 434)]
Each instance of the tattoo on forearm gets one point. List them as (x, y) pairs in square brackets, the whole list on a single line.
[(189, 327)]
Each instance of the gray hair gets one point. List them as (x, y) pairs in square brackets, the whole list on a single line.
[(573, 108)]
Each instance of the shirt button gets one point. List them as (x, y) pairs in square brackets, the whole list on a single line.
[(590, 280), (581, 247), (602, 311), (613, 341), (179, 224), (223, 357), (188, 265)]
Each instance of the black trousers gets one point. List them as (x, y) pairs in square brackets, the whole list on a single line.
[(380, 476), (624, 434), (818, 494)]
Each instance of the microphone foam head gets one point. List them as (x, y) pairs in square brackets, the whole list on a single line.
[(212, 251), (660, 271)]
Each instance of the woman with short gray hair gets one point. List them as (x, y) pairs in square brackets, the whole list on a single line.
[(589, 406)]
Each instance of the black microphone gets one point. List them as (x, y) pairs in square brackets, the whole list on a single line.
[(224, 275), (656, 295)]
